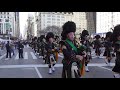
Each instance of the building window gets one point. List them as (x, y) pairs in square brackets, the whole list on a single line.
[(48, 22), (48, 18), (6, 20), (58, 16), (62, 16), (58, 19), (8, 13), (53, 18), (49, 15)]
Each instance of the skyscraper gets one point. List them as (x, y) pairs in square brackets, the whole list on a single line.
[(91, 22)]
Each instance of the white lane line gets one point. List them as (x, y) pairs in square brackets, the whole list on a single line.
[(26, 55), (2, 56), (46, 65), (100, 64), (6, 58), (34, 57), (40, 76), (105, 68), (27, 66), (17, 57)]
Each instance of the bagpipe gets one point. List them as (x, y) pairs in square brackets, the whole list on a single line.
[(81, 51), (56, 52)]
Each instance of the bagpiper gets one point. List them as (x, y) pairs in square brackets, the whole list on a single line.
[(85, 41), (50, 48), (116, 44), (97, 45), (71, 61), (108, 48)]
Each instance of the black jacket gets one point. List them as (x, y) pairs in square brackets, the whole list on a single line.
[(8, 48), (20, 46)]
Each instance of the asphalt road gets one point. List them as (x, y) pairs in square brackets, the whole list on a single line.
[(31, 66)]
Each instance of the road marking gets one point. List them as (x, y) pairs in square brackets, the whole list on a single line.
[(17, 57), (6, 58), (105, 68), (34, 57), (46, 65), (100, 64), (26, 55), (2, 56), (40, 76)]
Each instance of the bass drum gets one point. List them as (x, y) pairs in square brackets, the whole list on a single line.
[(75, 72)]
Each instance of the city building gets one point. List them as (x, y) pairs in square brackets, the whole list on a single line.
[(17, 24), (91, 22), (30, 27), (83, 20), (46, 19), (106, 21), (8, 24)]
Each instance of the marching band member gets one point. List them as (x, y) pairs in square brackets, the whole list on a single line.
[(116, 44), (97, 45), (85, 42), (50, 48), (71, 60), (108, 48)]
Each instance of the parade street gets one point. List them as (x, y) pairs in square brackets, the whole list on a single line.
[(32, 66)]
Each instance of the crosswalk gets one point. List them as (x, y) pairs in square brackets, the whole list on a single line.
[(33, 55), (26, 56)]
